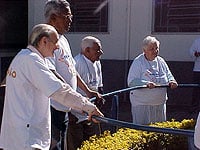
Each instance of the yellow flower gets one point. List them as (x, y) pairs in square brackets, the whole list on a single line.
[(131, 139)]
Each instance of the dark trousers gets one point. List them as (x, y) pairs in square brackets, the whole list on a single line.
[(58, 126), (79, 132)]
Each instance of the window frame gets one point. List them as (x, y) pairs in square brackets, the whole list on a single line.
[(74, 31), (153, 28)]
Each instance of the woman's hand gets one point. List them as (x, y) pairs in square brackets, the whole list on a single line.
[(173, 84), (151, 85)]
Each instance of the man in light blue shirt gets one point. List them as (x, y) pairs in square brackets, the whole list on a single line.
[(89, 68)]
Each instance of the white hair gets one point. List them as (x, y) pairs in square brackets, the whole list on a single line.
[(38, 32), (148, 40), (88, 41)]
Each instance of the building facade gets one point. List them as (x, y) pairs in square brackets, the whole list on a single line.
[(125, 24)]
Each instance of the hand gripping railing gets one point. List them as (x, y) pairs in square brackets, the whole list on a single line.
[(116, 122), (143, 86)]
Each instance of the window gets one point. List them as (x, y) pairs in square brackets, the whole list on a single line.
[(176, 16), (89, 15), (13, 24)]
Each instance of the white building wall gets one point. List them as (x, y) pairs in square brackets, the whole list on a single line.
[(129, 22)]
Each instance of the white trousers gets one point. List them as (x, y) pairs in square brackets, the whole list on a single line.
[(146, 114)]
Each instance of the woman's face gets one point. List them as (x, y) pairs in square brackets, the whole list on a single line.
[(151, 51)]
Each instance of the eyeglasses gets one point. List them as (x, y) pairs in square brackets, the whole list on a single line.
[(50, 40), (100, 51), (153, 49), (97, 50), (68, 16)]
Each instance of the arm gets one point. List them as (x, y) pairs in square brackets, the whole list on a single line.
[(80, 68), (70, 98), (45, 81), (134, 75), (83, 86), (172, 82)]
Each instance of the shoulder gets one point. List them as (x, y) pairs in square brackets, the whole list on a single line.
[(137, 62), (160, 59), (63, 42), (139, 58), (26, 60), (78, 58), (196, 41), (63, 38), (80, 62), (98, 62), (27, 55)]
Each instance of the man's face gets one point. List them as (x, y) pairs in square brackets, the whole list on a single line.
[(51, 44), (95, 52), (63, 21)]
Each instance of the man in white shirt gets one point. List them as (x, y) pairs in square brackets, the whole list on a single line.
[(59, 15), (26, 123), (89, 68)]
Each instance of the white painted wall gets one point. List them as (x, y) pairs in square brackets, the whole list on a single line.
[(129, 22)]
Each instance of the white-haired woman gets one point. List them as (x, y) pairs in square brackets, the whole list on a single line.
[(149, 105)]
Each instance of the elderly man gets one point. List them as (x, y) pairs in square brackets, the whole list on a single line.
[(89, 68), (59, 15), (29, 85)]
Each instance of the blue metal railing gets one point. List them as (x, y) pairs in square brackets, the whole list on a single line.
[(144, 127), (115, 110), (144, 86)]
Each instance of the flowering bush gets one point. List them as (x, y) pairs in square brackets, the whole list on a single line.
[(127, 139)]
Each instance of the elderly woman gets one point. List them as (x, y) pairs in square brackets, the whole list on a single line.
[(149, 105)]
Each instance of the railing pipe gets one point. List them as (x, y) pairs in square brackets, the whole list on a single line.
[(115, 111), (144, 86), (144, 127)]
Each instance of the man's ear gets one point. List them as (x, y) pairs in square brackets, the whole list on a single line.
[(87, 49), (53, 17), (44, 39)]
